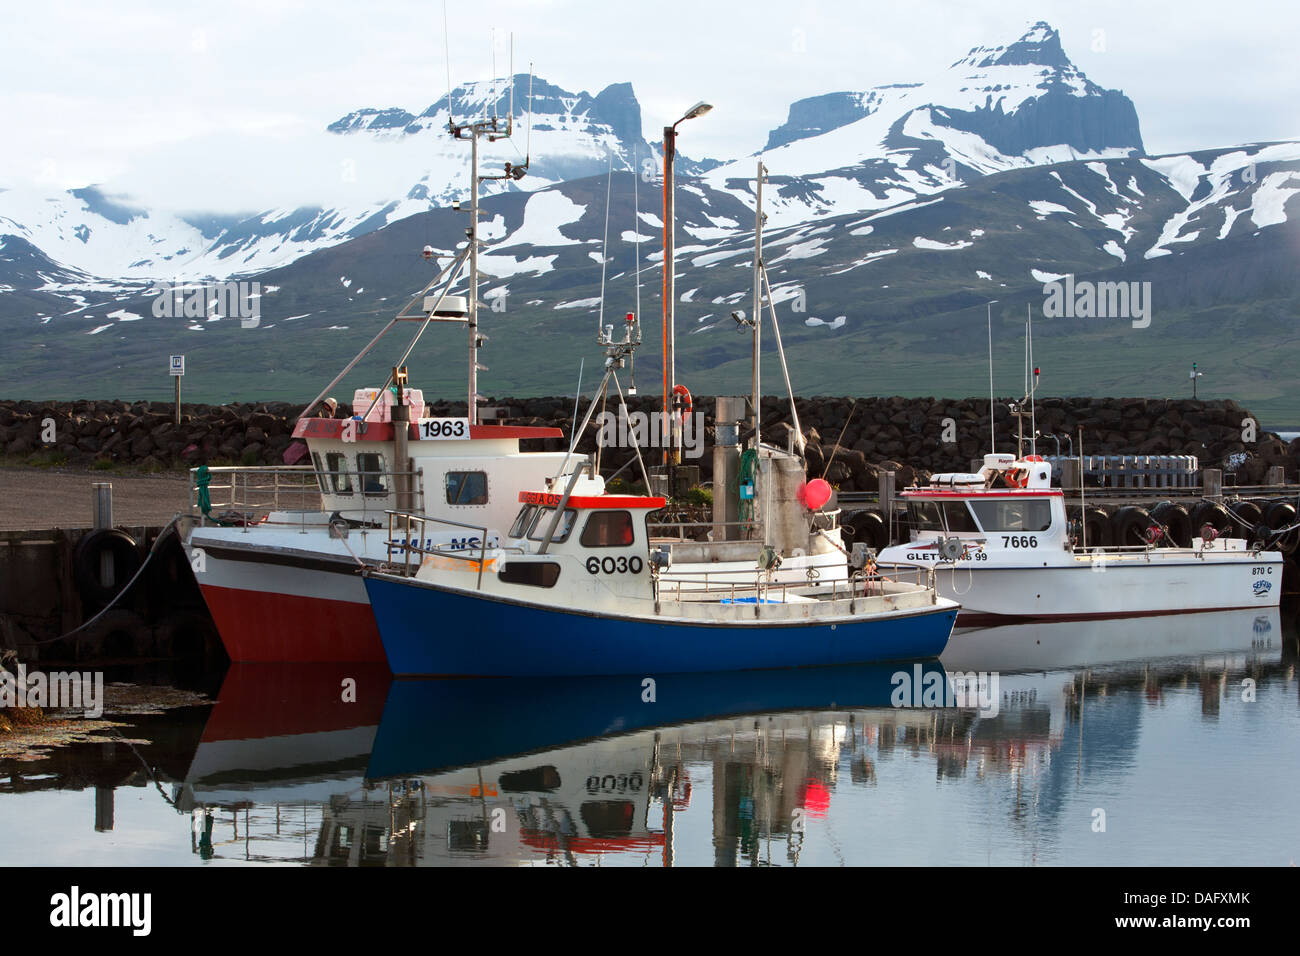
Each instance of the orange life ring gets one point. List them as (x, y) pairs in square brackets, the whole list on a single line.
[(683, 390), (1023, 480)]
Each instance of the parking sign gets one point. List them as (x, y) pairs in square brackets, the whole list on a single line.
[(178, 365)]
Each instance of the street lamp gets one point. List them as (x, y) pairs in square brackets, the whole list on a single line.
[(670, 376), (993, 438)]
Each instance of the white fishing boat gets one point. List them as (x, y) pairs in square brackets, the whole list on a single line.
[(1003, 546)]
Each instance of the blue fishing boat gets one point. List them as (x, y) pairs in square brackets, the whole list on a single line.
[(575, 590)]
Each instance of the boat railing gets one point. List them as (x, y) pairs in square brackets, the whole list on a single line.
[(708, 586), (246, 494), (407, 521), (822, 521)]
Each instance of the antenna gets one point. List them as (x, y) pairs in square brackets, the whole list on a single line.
[(1033, 381), (636, 233), (446, 47), (495, 99), (604, 253), (528, 142), (510, 123)]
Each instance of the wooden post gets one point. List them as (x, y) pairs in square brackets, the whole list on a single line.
[(1212, 482), (1070, 473)]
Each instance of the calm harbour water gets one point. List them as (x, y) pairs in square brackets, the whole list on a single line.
[(1149, 722)]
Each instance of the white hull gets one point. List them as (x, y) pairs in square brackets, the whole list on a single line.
[(1173, 581)]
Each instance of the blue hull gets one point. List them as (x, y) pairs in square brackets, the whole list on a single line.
[(428, 630)]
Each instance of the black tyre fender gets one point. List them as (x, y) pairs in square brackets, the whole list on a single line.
[(119, 633), (1176, 520), (1130, 524), (1208, 512), (1282, 514), (869, 528), (1096, 524), (86, 563), (189, 635), (1247, 517)]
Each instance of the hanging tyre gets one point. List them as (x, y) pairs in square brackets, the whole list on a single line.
[(1282, 514), (189, 636), (1129, 525), (1245, 517), (103, 562), (1096, 525), (869, 528), (1176, 521), (1208, 512), (119, 634)]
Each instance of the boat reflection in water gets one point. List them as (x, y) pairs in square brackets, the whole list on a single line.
[(728, 769), (282, 742)]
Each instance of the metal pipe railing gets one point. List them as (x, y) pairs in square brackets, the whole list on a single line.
[(409, 548)]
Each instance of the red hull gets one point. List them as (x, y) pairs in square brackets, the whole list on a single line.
[(283, 628)]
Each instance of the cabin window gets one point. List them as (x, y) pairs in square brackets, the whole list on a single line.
[(1014, 514), (520, 527), (538, 574), (370, 473), (543, 521), (608, 529), (949, 516), (340, 477), (321, 481), (467, 488)]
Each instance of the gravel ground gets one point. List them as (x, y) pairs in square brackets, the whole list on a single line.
[(38, 498)]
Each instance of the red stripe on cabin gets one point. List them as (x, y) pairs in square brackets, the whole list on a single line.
[(552, 499), (383, 431)]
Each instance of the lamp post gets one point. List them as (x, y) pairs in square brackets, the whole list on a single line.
[(670, 377), (993, 438)]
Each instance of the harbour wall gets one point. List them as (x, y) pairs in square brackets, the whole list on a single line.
[(857, 437)]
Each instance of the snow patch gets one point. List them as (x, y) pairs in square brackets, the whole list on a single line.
[(923, 243)]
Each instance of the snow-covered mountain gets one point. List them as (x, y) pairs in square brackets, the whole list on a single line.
[(997, 108), (103, 241), (894, 212)]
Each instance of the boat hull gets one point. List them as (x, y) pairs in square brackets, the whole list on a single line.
[(280, 596), (274, 606), (1131, 587), (429, 630)]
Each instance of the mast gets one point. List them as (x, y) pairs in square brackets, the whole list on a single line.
[(670, 136), (758, 296), (473, 279), (493, 129)]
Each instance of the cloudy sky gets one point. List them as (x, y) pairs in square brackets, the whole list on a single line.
[(186, 99)]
